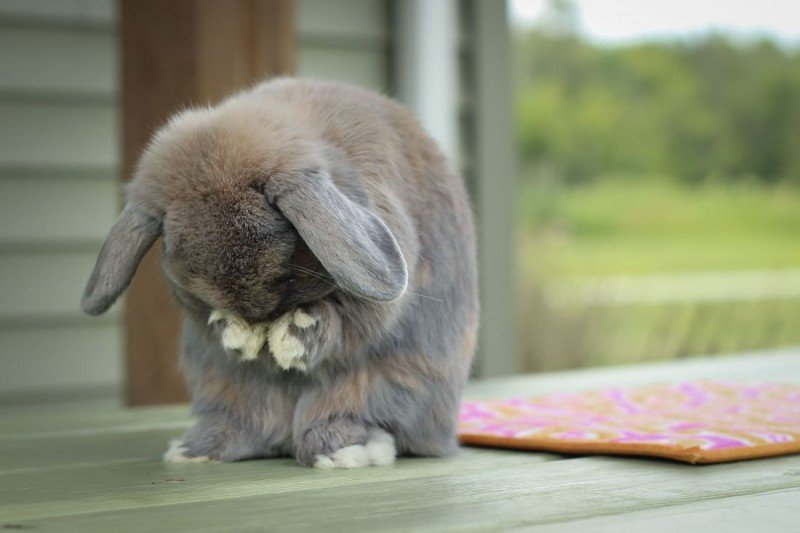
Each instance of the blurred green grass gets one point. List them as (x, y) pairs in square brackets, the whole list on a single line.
[(621, 226), (617, 226)]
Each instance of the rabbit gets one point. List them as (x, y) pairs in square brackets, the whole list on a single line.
[(323, 252)]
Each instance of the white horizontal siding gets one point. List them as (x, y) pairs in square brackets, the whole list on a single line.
[(63, 11), (57, 59), (345, 40), (367, 68), (346, 19), (58, 155), (60, 357), (41, 211), (59, 137), (55, 134), (43, 284)]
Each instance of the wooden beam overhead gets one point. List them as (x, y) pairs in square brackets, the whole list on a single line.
[(179, 53)]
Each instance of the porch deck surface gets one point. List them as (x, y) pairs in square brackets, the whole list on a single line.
[(87, 464)]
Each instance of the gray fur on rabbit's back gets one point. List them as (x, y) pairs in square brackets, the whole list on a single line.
[(388, 343)]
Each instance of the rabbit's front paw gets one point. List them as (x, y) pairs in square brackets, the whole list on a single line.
[(289, 350), (238, 336)]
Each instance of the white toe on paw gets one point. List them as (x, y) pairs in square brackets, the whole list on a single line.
[(380, 448), (324, 462), (247, 340), (287, 349), (177, 454), (217, 315), (378, 451), (238, 335), (354, 456), (303, 320)]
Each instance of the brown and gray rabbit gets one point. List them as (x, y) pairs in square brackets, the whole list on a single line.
[(324, 254)]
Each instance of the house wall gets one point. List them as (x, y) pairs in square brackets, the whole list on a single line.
[(59, 163)]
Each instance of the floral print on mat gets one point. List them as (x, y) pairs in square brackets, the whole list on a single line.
[(695, 422)]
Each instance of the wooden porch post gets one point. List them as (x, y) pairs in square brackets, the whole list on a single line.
[(495, 171), (178, 53)]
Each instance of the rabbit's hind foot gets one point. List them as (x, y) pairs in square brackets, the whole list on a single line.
[(378, 451)]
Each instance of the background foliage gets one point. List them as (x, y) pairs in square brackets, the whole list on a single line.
[(651, 159), (704, 109)]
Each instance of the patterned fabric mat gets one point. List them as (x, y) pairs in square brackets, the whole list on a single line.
[(695, 422)]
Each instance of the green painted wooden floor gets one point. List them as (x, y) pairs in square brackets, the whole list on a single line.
[(89, 465)]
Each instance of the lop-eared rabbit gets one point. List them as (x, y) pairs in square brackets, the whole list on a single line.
[(323, 252)]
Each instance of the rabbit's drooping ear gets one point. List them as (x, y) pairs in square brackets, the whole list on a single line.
[(132, 235), (351, 242)]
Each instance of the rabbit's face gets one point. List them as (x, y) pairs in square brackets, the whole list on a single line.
[(236, 252), (252, 220)]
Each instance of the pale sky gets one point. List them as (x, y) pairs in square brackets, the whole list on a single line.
[(632, 20)]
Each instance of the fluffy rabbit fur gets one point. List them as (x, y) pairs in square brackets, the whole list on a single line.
[(324, 254)]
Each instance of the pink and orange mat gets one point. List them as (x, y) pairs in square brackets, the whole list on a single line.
[(694, 422)]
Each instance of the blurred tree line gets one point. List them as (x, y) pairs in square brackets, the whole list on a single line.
[(697, 110)]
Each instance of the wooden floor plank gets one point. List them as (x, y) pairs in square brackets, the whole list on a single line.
[(771, 511), (39, 422), (143, 484), (44, 454), (416, 494)]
